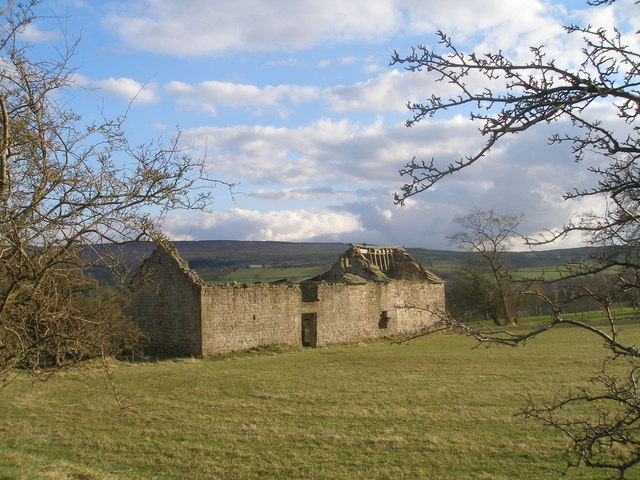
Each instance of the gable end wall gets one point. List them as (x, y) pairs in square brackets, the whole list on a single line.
[(166, 307)]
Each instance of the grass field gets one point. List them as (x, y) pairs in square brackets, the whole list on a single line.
[(433, 408)]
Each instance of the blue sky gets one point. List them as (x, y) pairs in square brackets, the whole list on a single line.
[(295, 102)]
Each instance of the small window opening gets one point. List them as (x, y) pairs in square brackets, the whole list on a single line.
[(309, 292), (384, 320)]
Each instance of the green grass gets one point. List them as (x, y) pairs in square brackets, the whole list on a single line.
[(536, 273), (434, 408), (622, 316)]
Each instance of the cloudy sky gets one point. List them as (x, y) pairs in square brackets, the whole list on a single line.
[(296, 103)]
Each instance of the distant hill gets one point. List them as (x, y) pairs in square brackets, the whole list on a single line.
[(281, 253), (443, 261), (249, 261)]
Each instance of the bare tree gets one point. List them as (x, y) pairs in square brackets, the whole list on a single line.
[(540, 91), (489, 235), (66, 187)]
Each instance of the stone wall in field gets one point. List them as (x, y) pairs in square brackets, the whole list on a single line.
[(415, 304), (237, 317), (181, 315), (353, 312), (347, 313)]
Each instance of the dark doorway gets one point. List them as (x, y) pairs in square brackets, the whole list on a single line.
[(309, 330)]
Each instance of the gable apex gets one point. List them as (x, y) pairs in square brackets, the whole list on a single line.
[(363, 263)]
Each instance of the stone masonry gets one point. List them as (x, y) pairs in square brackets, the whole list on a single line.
[(369, 292)]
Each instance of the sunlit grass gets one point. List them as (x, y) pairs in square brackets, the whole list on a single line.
[(434, 408), (620, 315), (540, 273)]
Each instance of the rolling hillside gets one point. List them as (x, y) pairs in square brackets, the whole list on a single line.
[(251, 261)]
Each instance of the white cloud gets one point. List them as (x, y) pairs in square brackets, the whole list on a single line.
[(388, 91), (288, 62), (300, 194), (466, 16), (325, 152), (391, 90), (373, 68), (79, 80), (33, 33), (197, 27), (277, 225), (385, 212), (179, 88), (524, 175), (207, 96), (503, 25), (328, 152), (623, 15), (347, 60), (129, 89)]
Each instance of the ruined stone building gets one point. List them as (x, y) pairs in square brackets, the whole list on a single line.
[(369, 292)]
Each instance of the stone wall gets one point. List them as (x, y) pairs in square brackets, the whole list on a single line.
[(237, 317), (354, 312), (346, 313), (166, 306), (415, 304)]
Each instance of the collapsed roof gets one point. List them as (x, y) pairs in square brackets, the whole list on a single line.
[(372, 263)]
